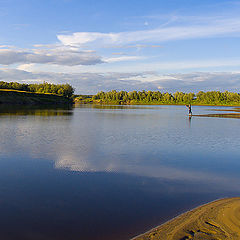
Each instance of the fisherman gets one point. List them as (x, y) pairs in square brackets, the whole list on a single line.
[(189, 109)]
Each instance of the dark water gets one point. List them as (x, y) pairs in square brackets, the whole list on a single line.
[(100, 173)]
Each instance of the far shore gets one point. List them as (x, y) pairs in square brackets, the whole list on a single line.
[(212, 221), (156, 104)]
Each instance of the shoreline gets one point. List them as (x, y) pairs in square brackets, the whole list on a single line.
[(153, 104), (190, 225), (155, 228)]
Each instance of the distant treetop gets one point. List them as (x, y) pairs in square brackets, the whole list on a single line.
[(157, 97)]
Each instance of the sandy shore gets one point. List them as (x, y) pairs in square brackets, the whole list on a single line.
[(218, 220)]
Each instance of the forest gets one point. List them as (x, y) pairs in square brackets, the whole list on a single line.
[(64, 90), (157, 97), (133, 97)]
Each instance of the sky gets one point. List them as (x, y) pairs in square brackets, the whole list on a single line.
[(168, 46)]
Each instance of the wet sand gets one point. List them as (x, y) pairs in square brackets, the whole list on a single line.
[(233, 113), (218, 220), (223, 115)]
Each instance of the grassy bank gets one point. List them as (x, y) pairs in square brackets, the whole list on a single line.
[(28, 98)]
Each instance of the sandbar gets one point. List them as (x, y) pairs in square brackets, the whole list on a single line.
[(218, 220)]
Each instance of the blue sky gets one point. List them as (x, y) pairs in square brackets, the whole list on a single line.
[(184, 45)]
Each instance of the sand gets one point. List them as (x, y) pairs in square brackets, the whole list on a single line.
[(214, 221), (232, 113), (223, 115)]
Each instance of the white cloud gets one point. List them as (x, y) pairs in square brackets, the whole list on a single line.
[(127, 63), (26, 67), (81, 38), (91, 83), (122, 58), (138, 46), (184, 65), (188, 30), (6, 46), (69, 51), (59, 56)]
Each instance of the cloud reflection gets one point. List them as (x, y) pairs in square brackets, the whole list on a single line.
[(146, 142), (69, 161)]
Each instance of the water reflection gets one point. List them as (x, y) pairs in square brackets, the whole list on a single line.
[(110, 173), (58, 205), (119, 107), (14, 110), (189, 120)]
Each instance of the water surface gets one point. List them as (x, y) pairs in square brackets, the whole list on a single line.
[(110, 172)]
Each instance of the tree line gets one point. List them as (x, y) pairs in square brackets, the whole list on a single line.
[(65, 90), (157, 97)]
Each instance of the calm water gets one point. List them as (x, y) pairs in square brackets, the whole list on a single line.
[(110, 172)]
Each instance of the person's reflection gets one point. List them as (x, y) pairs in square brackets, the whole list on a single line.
[(189, 120)]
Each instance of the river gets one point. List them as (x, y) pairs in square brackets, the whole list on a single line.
[(110, 172)]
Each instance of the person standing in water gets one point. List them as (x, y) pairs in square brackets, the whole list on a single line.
[(189, 109)]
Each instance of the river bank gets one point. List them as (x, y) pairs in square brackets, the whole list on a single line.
[(15, 97), (215, 220)]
